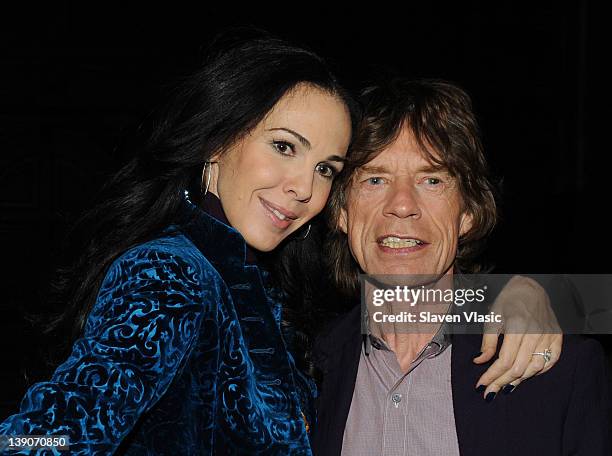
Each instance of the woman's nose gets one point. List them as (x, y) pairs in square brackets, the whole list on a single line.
[(300, 185)]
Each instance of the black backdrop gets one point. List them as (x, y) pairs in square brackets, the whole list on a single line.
[(76, 79)]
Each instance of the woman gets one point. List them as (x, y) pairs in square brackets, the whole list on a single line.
[(179, 347)]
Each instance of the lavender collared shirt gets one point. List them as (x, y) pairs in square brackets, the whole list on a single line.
[(396, 413)]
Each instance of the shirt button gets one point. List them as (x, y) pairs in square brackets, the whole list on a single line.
[(396, 398)]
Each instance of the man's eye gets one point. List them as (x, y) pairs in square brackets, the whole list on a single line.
[(433, 181), (284, 147), (375, 180)]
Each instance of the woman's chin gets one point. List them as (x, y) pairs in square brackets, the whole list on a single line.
[(262, 244)]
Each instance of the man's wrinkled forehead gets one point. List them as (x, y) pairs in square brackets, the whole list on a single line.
[(405, 148)]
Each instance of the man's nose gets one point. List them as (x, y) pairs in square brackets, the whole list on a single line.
[(402, 201), (300, 185)]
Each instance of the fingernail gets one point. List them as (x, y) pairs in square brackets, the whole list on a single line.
[(476, 355), (508, 388), (481, 388), (490, 396)]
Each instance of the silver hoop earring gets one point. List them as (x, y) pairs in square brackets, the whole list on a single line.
[(208, 165), (307, 233)]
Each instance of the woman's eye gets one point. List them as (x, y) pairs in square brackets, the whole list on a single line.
[(284, 147), (326, 171)]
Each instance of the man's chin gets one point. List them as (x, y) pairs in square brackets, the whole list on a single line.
[(400, 271), (411, 274)]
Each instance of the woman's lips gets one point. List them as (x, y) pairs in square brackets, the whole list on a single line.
[(280, 217)]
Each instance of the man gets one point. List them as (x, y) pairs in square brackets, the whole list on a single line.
[(417, 201)]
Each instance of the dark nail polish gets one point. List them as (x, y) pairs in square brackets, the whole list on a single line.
[(476, 355), (481, 388), (508, 388), (490, 396)]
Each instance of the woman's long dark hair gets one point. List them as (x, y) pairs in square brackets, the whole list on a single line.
[(240, 82)]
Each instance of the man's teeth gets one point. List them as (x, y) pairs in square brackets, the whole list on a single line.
[(278, 214), (397, 243)]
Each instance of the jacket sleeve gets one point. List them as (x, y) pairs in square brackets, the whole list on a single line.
[(564, 300), (144, 321), (588, 424)]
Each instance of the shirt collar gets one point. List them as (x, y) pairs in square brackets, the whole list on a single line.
[(438, 343)]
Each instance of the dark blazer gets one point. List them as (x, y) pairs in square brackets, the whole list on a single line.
[(566, 411), (181, 355)]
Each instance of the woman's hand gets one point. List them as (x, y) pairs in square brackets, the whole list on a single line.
[(529, 326)]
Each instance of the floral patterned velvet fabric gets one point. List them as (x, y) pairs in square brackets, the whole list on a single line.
[(181, 355)]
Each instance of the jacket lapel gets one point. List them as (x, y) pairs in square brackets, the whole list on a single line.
[(479, 428), (338, 356)]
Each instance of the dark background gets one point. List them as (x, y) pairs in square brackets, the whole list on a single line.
[(77, 79)]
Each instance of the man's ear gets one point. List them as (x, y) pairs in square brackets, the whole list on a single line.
[(466, 223), (343, 221)]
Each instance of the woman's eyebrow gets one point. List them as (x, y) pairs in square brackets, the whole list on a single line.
[(337, 158), (300, 138)]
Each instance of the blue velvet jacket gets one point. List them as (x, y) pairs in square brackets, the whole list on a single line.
[(182, 354)]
